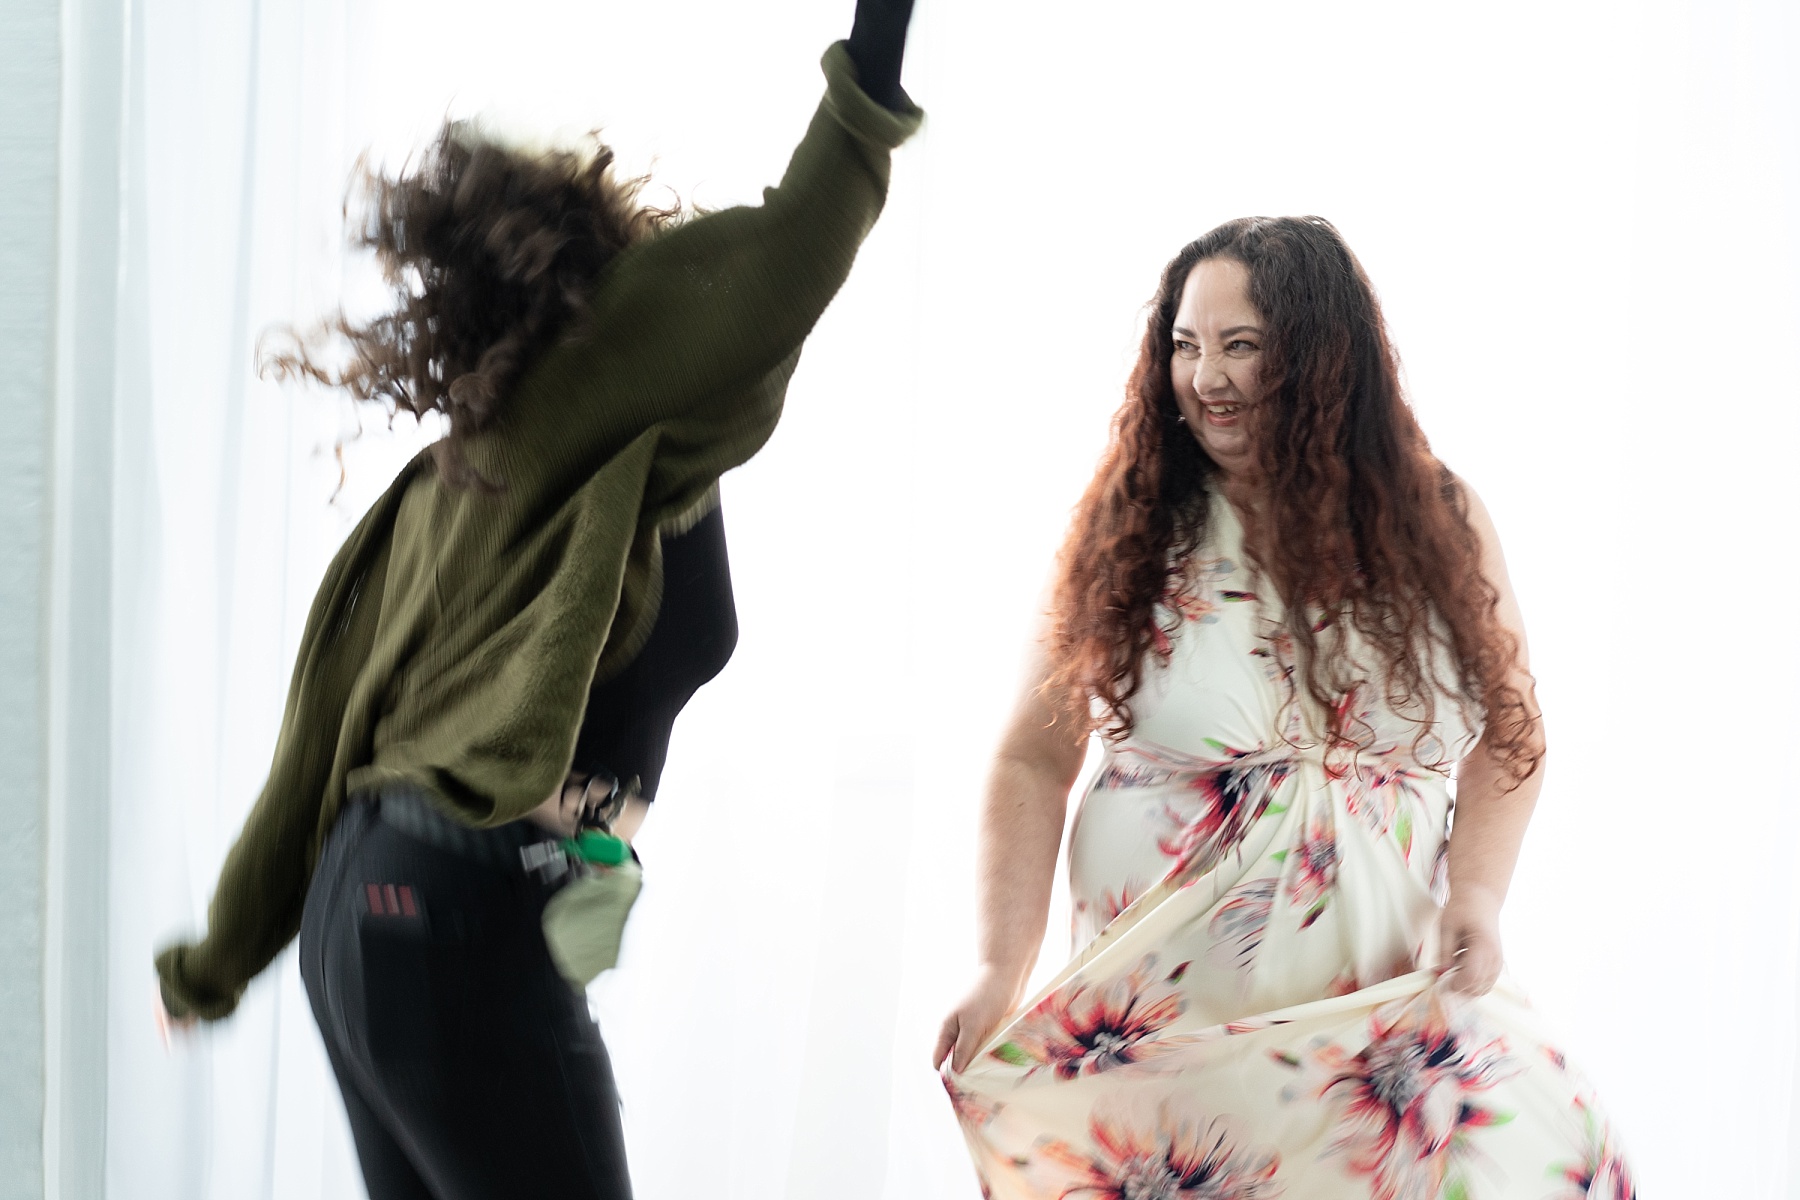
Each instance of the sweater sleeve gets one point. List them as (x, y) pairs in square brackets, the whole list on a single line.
[(256, 907), (741, 288), (699, 317)]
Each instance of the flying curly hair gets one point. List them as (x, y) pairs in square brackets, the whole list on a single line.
[(490, 252), (1359, 519)]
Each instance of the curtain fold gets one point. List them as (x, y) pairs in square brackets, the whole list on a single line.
[(234, 162)]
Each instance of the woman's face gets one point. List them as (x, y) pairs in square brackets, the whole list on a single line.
[(1217, 363)]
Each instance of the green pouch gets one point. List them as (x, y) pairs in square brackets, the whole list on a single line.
[(585, 920)]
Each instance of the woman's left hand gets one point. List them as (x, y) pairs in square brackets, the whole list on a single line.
[(1469, 957)]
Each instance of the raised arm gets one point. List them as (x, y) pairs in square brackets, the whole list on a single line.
[(1491, 812), (1021, 830), (701, 316)]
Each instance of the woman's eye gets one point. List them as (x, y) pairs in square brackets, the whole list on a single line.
[(1240, 346), (1186, 349)]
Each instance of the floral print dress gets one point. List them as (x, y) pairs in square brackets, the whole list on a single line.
[(1243, 1019)]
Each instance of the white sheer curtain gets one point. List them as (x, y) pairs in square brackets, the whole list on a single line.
[(1580, 218)]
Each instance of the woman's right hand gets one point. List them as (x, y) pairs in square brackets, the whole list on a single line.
[(971, 1022), (167, 1025)]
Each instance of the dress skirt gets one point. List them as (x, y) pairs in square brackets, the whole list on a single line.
[(1244, 1019)]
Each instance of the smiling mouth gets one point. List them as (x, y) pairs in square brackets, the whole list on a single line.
[(1222, 414)]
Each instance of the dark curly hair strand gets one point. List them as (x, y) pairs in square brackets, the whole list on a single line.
[(490, 252)]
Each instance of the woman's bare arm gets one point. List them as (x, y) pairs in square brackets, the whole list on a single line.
[(1022, 813), (1491, 810)]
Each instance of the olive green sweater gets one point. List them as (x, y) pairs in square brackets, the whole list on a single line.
[(456, 633)]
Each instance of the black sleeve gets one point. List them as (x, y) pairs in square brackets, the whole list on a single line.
[(877, 43)]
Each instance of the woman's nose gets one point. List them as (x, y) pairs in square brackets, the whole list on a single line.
[(1209, 380)]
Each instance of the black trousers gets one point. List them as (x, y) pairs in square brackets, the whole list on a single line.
[(470, 1069)]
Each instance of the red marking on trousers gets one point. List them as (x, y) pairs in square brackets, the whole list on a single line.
[(386, 900)]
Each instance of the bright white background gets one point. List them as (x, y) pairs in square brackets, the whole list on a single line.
[(1580, 218)]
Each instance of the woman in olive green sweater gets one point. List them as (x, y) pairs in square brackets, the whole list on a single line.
[(599, 374)]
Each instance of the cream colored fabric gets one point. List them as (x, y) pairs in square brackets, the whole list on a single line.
[(1243, 1018)]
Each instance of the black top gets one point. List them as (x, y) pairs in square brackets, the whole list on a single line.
[(625, 730)]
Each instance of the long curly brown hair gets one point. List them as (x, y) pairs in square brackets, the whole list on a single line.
[(1357, 517), (491, 252)]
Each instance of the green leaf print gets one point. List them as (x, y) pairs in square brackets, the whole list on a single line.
[(1279, 856), (1456, 1189), (1216, 744), (1403, 832), (1009, 1052)]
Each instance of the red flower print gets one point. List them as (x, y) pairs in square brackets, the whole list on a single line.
[(1602, 1173), (971, 1109), (1174, 1153), (1607, 1177), (1095, 1027), (1406, 1102), (1252, 1025), (1193, 594), (1232, 798), (1315, 864), (1113, 905), (1277, 652), (1160, 643), (1194, 608), (1376, 794), (1108, 907), (1351, 728)]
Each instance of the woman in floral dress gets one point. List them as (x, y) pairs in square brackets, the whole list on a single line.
[(1293, 626)]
